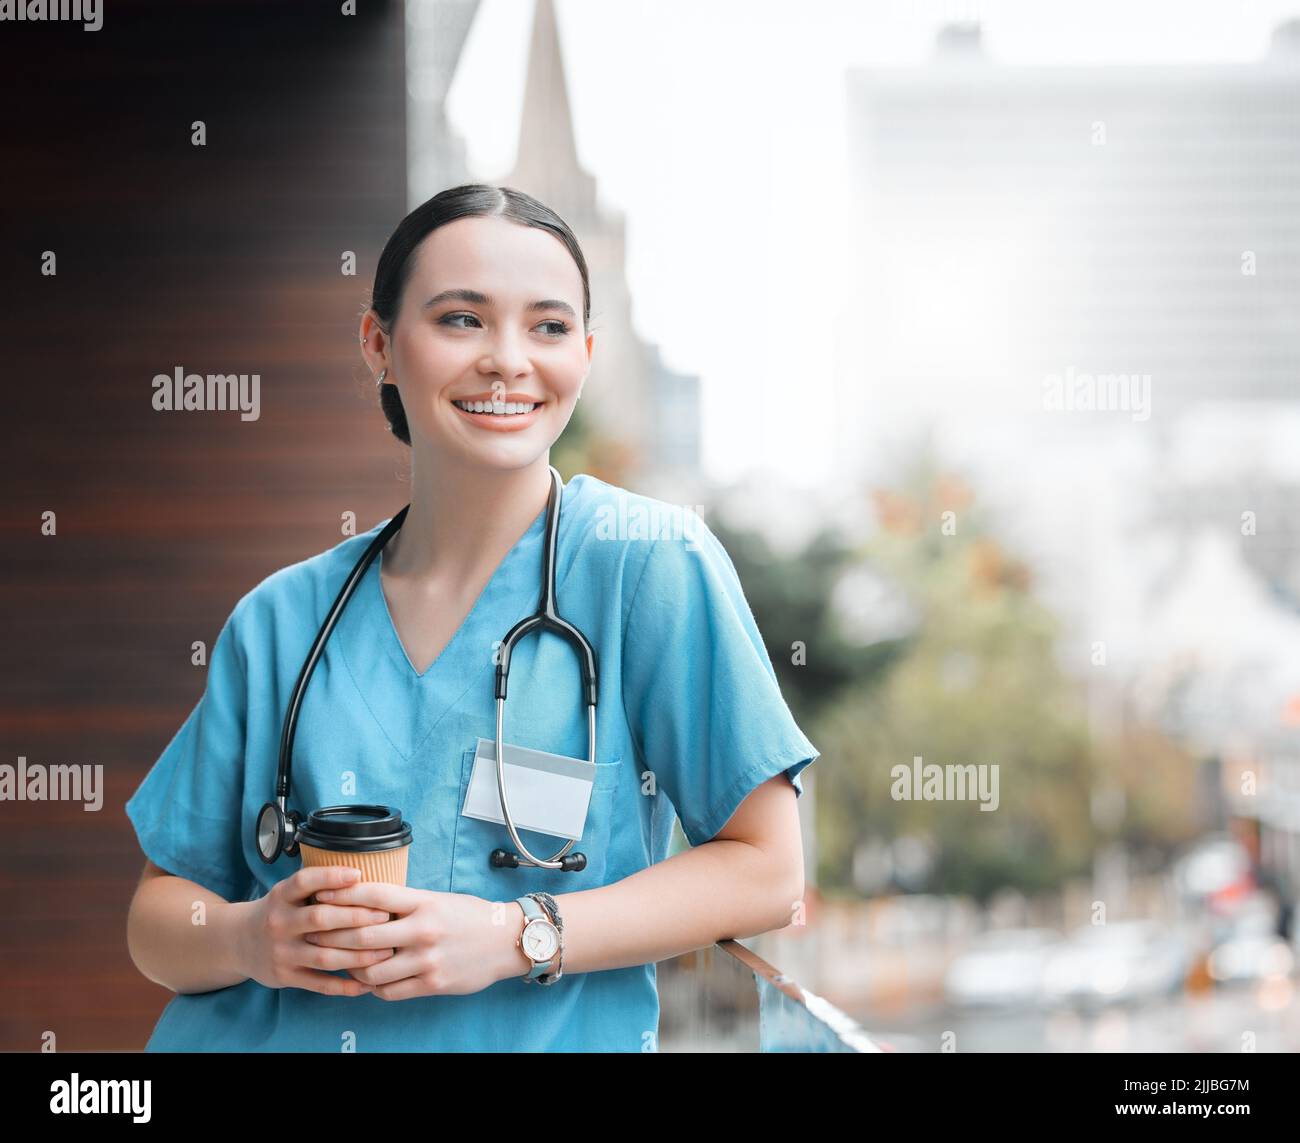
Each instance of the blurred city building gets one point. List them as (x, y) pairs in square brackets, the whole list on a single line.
[(1087, 278)]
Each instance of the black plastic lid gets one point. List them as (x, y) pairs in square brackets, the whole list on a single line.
[(356, 829)]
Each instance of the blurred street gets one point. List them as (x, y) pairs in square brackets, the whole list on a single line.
[(1215, 1022)]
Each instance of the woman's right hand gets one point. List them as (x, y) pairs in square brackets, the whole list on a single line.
[(271, 949)]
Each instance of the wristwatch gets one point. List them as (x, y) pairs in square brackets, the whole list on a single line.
[(539, 940)]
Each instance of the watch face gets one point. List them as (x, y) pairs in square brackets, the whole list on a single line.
[(541, 941)]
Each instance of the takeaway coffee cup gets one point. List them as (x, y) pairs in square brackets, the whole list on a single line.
[(373, 839)]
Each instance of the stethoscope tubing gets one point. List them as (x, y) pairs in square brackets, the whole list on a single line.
[(545, 618), (290, 728)]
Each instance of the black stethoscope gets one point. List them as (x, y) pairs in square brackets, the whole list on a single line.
[(278, 829)]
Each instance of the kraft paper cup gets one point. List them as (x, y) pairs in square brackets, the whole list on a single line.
[(371, 839), (388, 866)]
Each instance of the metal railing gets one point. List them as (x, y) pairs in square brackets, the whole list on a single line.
[(726, 998)]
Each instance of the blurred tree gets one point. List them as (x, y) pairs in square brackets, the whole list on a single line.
[(979, 685), (973, 679), (928, 641), (793, 600)]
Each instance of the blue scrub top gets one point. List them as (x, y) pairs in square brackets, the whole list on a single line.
[(687, 691)]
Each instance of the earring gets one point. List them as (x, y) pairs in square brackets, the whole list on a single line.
[(379, 381)]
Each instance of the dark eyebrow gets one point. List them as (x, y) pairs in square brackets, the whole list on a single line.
[(475, 298)]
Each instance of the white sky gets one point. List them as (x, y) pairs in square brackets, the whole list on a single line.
[(717, 128)]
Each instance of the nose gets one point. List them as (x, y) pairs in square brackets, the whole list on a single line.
[(508, 357)]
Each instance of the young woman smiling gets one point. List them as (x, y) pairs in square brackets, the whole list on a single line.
[(477, 333)]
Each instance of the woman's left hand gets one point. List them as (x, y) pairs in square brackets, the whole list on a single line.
[(444, 943)]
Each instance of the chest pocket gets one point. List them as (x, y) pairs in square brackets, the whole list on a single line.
[(475, 840)]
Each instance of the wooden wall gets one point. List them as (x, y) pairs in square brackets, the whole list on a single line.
[(223, 258)]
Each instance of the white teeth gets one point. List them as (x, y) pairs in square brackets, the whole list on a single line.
[(497, 408)]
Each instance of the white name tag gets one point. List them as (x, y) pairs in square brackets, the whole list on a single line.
[(548, 793)]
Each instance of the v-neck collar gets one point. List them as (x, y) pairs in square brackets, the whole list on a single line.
[(408, 706), (397, 649)]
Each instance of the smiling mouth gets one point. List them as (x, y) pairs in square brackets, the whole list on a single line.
[(503, 409)]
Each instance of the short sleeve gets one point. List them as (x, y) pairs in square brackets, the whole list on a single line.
[(701, 696), (187, 812)]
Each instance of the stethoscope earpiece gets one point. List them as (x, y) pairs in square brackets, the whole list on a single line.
[(504, 859)]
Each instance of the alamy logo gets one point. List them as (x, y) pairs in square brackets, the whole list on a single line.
[(196, 392), (1098, 393), (89, 12), (37, 783), (647, 519), (78, 1096), (931, 782)]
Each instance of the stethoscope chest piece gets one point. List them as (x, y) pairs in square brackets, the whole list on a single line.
[(277, 832)]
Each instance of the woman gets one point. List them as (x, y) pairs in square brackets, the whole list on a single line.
[(481, 302)]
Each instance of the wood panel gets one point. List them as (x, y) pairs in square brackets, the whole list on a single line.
[(221, 259)]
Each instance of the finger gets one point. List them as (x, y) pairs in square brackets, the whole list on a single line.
[(394, 898), (315, 877), (314, 980), (322, 918), (395, 968), (401, 989), (390, 934), (331, 960)]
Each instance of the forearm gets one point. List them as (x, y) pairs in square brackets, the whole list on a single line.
[(170, 946), (721, 889)]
